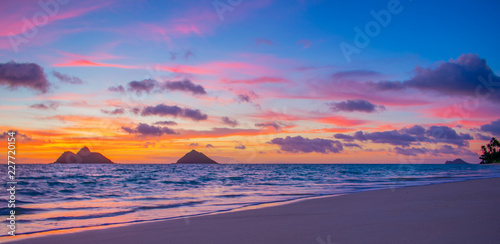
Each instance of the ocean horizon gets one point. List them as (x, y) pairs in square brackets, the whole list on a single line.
[(53, 197)]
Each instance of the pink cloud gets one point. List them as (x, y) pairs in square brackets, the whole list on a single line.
[(87, 63), (463, 111), (194, 22), (5, 44), (328, 130), (217, 68), (15, 16), (21, 29), (96, 56), (267, 59), (184, 69), (258, 80)]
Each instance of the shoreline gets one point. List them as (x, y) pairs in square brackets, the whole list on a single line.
[(254, 206), (186, 228)]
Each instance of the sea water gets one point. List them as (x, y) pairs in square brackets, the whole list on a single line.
[(62, 197)]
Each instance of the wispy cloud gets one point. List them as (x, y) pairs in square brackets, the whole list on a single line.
[(87, 63)]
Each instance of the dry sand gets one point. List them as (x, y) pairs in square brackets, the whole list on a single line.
[(461, 212)]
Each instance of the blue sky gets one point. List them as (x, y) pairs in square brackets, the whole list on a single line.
[(275, 68)]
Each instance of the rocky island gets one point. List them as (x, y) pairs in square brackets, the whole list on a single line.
[(456, 161), (195, 157), (84, 156)]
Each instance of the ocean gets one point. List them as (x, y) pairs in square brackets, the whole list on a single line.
[(65, 197)]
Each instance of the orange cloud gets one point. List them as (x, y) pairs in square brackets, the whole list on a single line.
[(327, 130), (218, 68), (258, 80), (342, 121)]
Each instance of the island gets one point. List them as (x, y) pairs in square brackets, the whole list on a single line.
[(456, 161), (195, 157), (84, 156)]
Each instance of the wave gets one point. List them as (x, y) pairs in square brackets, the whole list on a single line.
[(134, 193), (123, 212)]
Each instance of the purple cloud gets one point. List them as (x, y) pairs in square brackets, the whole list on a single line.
[(67, 79), (148, 144), (247, 97), (228, 121), (152, 86), (173, 55), (43, 106), (148, 130), (358, 105), (28, 75), (390, 137), (114, 112), (188, 54), (165, 110), (165, 123), (244, 98), (147, 86), (276, 125), (17, 135), (306, 145), (344, 137), (194, 114), (162, 110), (415, 130), (482, 137), (135, 111), (468, 75), (354, 74), (241, 146), (352, 145), (445, 134), (445, 149), (411, 136), (117, 89), (493, 128), (410, 151), (209, 146), (186, 86)]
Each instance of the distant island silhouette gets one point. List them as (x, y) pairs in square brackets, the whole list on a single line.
[(456, 161), (84, 156), (195, 157)]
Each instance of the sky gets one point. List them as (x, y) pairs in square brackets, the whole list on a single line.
[(262, 81)]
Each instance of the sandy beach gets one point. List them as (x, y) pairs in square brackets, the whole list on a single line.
[(460, 212)]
